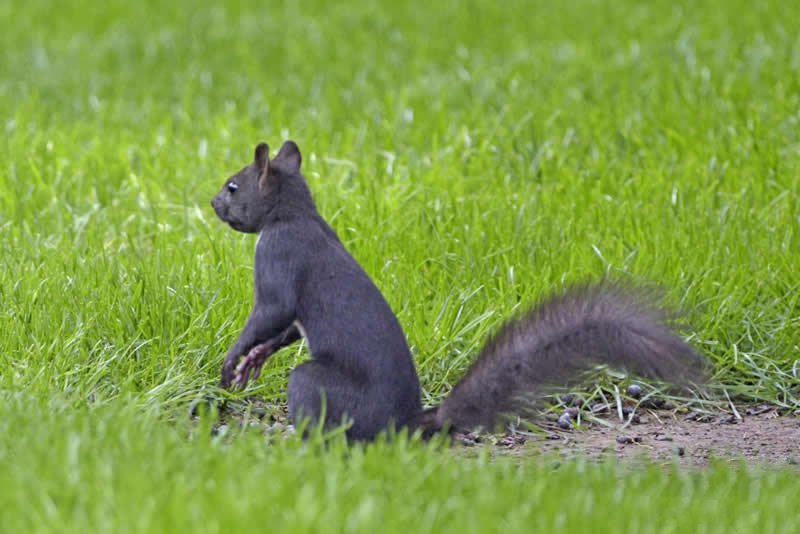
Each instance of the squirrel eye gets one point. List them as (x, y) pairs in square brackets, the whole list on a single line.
[(232, 187)]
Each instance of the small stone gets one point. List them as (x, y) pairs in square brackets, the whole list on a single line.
[(565, 421), (511, 440), (628, 415), (662, 437), (572, 412), (667, 405), (627, 440), (699, 417), (567, 399), (653, 402), (729, 420), (469, 439), (635, 391), (758, 410)]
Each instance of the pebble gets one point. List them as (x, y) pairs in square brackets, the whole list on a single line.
[(511, 440), (627, 440), (565, 421), (627, 413), (277, 427), (662, 437), (635, 391), (464, 440), (653, 402), (570, 399)]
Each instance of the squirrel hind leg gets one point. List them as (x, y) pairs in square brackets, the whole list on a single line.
[(317, 390)]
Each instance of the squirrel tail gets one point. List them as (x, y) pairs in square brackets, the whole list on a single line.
[(552, 344)]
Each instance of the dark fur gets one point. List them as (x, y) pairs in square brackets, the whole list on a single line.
[(361, 363)]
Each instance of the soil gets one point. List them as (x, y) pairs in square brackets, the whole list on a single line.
[(692, 440), (756, 434)]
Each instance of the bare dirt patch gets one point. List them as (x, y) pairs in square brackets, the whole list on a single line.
[(692, 439), (758, 434)]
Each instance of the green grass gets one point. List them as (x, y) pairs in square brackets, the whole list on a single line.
[(473, 156), (118, 469)]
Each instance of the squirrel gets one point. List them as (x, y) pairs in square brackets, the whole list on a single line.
[(361, 370)]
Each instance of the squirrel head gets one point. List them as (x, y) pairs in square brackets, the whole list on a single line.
[(263, 189)]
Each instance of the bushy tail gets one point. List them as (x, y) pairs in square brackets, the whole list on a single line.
[(554, 343)]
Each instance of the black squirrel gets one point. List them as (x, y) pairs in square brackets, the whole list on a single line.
[(307, 284)]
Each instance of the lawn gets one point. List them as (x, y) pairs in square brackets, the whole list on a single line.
[(473, 156)]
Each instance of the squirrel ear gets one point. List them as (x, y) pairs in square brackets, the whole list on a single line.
[(261, 158), (289, 156)]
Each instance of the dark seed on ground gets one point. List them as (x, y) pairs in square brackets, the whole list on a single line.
[(627, 413), (758, 410), (653, 402), (468, 440), (572, 412), (635, 391), (567, 399), (680, 451), (511, 440), (668, 405)]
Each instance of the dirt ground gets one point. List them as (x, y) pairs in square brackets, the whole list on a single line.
[(758, 436)]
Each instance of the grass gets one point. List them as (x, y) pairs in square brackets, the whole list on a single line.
[(473, 157), (91, 480)]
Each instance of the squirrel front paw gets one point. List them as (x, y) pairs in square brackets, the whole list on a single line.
[(252, 364)]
